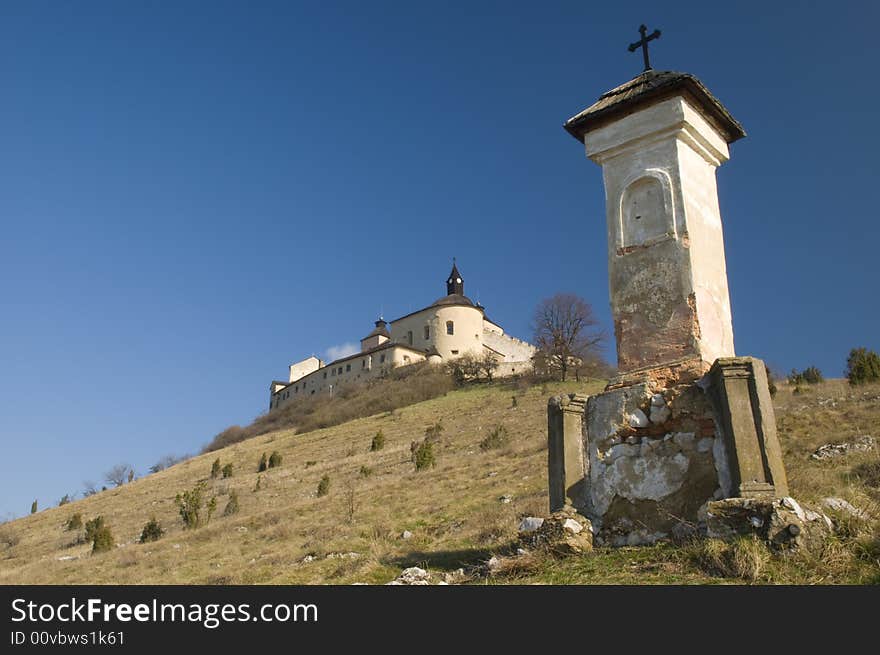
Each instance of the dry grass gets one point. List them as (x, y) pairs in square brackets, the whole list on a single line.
[(284, 534)]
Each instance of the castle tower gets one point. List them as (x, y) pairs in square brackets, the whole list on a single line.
[(659, 139), (455, 283)]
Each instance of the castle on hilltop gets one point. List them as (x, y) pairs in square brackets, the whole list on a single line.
[(450, 327)]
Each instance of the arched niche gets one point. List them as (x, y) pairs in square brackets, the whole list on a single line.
[(646, 213)]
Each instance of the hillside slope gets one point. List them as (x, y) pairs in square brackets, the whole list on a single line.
[(285, 534)]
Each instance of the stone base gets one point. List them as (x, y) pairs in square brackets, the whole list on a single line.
[(644, 461), (781, 523), (680, 371)]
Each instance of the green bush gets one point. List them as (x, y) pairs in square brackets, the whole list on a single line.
[(191, 504), (232, 505), (98, 532), (259, 484), (378, 442), (264, 464), (810, 375), (365, 471), (275, 459), (152, 531), (64, 500), (310, 463), (75, 522), (324, 486), (34, 507), (215, 468), (227, 471), (862, 366), (496, 439), (433, 432), (423, 456)]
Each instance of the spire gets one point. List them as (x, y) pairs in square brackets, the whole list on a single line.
[(454, 283)]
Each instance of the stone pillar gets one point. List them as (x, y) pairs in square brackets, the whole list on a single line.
[(565, 450), (741, 396)]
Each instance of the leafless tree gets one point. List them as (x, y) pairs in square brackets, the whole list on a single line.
[(118, 474), (566, 333), (89, 489)]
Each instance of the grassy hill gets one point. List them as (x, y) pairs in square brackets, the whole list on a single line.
[(284, 533)]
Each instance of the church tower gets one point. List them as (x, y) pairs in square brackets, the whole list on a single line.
[(455, 283)]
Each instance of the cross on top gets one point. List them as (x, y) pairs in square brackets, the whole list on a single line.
[(643, 43)]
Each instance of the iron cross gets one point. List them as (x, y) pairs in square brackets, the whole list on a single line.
[(643, 43)]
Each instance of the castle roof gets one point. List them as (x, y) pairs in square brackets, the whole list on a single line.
[(451, 300), (380, 330), (649, 87)]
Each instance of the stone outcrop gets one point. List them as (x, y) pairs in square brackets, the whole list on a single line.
[(861, 444), (563, 532)]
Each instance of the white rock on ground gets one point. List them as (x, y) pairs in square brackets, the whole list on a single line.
[(841, 505), (638, 419), (530, 524)]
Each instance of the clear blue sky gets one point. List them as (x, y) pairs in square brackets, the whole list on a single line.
[(193, 195)]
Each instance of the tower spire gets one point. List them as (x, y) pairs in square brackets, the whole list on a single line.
[(455, 283)]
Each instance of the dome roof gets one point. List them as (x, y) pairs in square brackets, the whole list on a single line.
[(453, 299)]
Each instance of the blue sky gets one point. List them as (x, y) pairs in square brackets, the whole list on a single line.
[(192, 195)]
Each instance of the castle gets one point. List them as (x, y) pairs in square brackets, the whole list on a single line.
[(450, 327)]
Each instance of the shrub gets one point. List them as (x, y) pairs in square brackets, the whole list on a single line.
[(232, 505), (167, 461), (152, 531), (275, 459), (862, 366), (130, 475), (496, 439), (771, 381), (810, 375), (64, 500), (259, 484), (8, 539), (365, 472), (215, 469), (190, 505), (227, 471), (264, 464), (324, 486), (423, 456), (117, 475), (98, 532), (378, 442), (75, 522), (310, 463), (34, 507)]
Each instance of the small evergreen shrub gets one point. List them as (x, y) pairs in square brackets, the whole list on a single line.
[(378, 442), (365, 472), (275, 459), (75, 522), (130, 475), (34, 507), (215, 469), (496, 439), (862, 366), (152, 531), (227, 471), (64, 500), (98, 532), (264, 464), (324, 486), (810, 375), (232, 505), (423, 456), (259, 484), (191, 505), (310, 463)]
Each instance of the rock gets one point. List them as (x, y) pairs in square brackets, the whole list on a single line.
[(530, 524), (67, 558), (638, 419), (782, 523), (684, 439), (493, 564), (521, 552), (454, 577), (660, 414), (864, 443), (844, 507), (406, 535), (632, 441), (561, 533), (657, 400), (572, 526), (505, 499), (412, 576), (241, 528)]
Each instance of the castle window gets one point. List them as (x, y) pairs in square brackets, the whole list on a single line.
[(450, 327), (325, 375), (340, 370), (406, 359), (409, 337), (382, 359), (427, 332), (363, 363), (454, 352), (347, 368), (333, 372)]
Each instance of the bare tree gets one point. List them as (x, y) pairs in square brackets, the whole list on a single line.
[(118, 474), (89, 489), (167, 461), (565, 333)]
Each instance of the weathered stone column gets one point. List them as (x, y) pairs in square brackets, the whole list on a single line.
[(565, 450), (741, 396)]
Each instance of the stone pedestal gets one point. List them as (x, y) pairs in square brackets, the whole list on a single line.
[(643, 462), (741, 396)]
